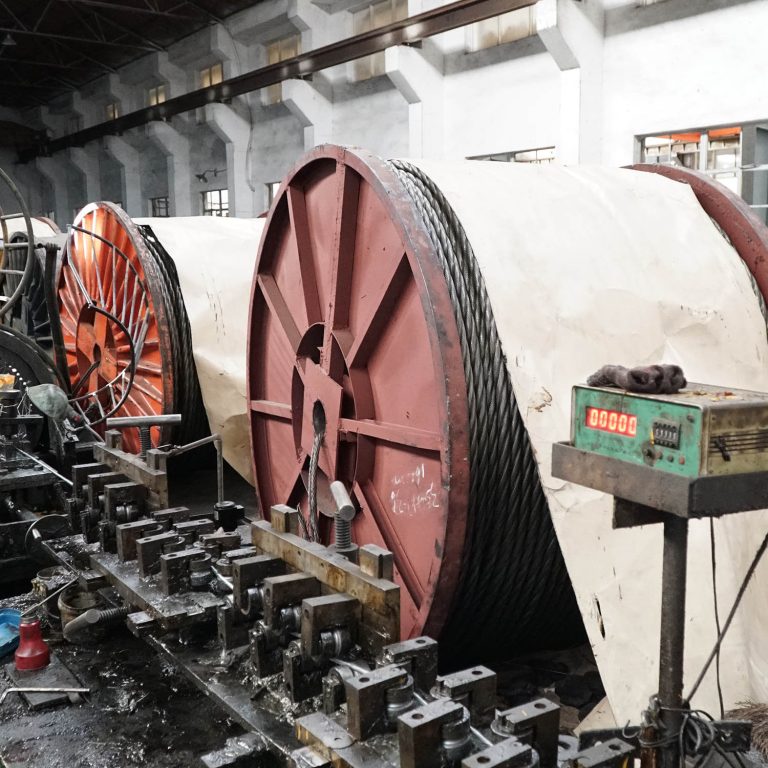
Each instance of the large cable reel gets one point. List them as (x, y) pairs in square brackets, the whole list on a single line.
[(358, 258), (125, 330), (372, 336)]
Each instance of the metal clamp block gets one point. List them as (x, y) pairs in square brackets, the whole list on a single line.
[(608, 754), (247, 574), (284, 519), (175, 570), (475, 688), (373, 697), (124, 500), (191, 530), (128, 533), (536, 724), (506, 754), (149, 549), (286, 592), (171, 516), (418, 655), (329, 624), (422, 735), (96, 485), (376, 562)]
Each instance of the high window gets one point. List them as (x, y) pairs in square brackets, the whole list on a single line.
[(112, 111), (156, 95), (506, 28), (216, 202), (716, 152), (158, 206), (277, 51), (540, 156), (212, 75), (373, 17)]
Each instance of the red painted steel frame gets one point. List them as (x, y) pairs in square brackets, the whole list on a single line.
[(350, 311), (88, 334)]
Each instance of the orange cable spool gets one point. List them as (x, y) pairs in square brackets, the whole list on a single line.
[(124, 327)]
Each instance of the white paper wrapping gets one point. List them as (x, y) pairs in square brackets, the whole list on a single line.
[(40, 227), (215, 259), (585, 267)]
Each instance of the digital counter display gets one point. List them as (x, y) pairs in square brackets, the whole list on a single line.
[(612, 421)]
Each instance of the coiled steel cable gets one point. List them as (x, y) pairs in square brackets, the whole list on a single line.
[(514, 593), (187, 397)]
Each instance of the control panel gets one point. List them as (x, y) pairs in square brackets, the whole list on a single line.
[(702, 430)]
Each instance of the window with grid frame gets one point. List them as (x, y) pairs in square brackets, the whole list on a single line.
[(714, 151), (215, 202), (158, 206), (156, 95), (277, 51), (212, 75), (538, 156), (372, 17), (506, 28)]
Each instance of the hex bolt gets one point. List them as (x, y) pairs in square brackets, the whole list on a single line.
[(345, 513)]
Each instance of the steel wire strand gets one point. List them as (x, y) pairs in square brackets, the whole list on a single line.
[(188, 399), (513, 582), (478, 349)]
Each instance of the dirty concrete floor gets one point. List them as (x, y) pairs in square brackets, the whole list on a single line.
[(141, 713)]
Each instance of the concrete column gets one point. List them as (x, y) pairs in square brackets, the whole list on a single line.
[(55, 172), (421, 85), (175, 147), (313, 111), (573, 37), (235, 132), (130, 173), (86, 160)]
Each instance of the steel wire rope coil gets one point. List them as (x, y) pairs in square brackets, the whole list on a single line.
[(188, 399), (125, 328), (512, 558), (366, 301)]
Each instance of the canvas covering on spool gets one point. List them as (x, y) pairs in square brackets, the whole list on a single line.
[(590, 266), (215, 259)]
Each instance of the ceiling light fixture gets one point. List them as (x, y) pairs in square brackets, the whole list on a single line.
[(8, 41)]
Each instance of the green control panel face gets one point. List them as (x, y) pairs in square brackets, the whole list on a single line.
[(659, 432)]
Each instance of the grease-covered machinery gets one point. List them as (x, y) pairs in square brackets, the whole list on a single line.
[(300, 643)]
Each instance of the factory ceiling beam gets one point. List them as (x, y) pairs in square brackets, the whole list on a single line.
[(406, 32), (102, 19), (212, 16), (147, 10), (74, 39)]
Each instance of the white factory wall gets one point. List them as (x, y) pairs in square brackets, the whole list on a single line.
[(597, 74)]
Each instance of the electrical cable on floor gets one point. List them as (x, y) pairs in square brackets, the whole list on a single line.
[(188, 399), (739, 595), (511, 550)]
